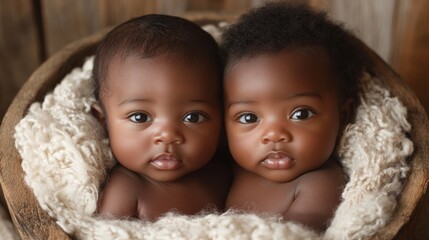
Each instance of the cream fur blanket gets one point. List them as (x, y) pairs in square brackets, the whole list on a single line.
[(65, 158)]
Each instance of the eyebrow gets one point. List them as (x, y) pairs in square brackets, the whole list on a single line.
[(294, 95), (126, 101), (304, 94)]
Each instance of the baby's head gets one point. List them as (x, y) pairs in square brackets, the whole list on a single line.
[(291, 77), (158, 82)]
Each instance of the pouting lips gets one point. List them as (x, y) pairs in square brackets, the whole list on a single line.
[(277, 161), (166, 161)]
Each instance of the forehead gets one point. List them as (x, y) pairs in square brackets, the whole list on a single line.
[(290, 70), (163, 75), (293, 57)]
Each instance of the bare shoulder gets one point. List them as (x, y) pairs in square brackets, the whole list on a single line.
[(118, 197), (328, 176), (120, 177), (325, 184), (317, 195)]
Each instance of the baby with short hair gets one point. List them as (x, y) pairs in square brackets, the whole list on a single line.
[(290, 86), (159, 88)]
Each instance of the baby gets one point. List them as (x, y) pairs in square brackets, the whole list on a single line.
[(159, 89), (290, 84)]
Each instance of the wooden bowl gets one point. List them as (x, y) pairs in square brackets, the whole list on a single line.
[(32, 222)]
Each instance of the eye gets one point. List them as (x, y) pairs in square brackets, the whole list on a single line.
[(302, 114), (248, 118), (139, 118), (194, 117)]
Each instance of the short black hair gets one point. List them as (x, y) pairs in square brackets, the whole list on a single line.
[(278, 26), (155, 35)]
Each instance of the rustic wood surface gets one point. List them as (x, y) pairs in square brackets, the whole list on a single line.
[(19, 48), (67, 21), (411, 58)]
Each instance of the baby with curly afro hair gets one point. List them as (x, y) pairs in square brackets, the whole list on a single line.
[(290, 85)]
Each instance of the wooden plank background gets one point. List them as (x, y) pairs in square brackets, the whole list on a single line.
[(19, 47)]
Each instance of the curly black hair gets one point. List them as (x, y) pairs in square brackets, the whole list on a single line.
[(278, 26), (155, 35)]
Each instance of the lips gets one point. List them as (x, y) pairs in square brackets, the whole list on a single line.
[(166, 161), (277, 160)]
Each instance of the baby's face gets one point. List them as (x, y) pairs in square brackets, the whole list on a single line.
[(282, 113), (163, 115)]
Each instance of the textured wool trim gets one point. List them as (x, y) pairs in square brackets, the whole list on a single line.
[(66, 156)]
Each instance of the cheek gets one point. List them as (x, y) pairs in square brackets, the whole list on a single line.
[(202, 143), (127, 143), (317, 144), (241, 145)]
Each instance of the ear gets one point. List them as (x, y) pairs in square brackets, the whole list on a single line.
[(98, 113), (346, 112)]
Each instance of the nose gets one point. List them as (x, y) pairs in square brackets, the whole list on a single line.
[(167, 133), (275, 132)]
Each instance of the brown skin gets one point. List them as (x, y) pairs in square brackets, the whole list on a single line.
[(163, 119), (284, 113)]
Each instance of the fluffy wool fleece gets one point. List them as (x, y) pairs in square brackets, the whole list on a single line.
[(66, 156)]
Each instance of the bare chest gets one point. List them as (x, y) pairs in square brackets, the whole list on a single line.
[(184, 198), (258, 196)]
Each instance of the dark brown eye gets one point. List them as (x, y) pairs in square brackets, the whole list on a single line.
[(194, 118), (248, 118), (139, 118), (301, 114)]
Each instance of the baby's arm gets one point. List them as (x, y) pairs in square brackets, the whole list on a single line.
[(317, 196), (118, 198)]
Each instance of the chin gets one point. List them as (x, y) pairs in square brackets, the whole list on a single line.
[(165, 176), (278, 177)]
